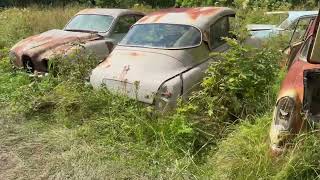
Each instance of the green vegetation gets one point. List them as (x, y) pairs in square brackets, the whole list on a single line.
[(59, 127), (269, 4)]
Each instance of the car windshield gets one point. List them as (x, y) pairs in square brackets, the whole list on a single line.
[(167, 36), (88, 22)]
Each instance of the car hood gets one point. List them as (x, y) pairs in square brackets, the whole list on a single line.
[(260, 27), (51, 41), (137, 74)]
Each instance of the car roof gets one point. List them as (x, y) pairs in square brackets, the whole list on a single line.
[(110, 12), (200, 17)]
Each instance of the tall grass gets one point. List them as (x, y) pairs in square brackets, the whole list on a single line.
[(245, 154), (59, 127), (17, 23)]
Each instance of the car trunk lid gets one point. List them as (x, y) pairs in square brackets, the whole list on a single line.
[(136, 74)]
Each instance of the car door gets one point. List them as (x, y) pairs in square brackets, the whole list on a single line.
[(218, 30), (298, 37), (102, 48)]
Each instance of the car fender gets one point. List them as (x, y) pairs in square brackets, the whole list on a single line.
[(193, 77), (100, 48), (287, 120), (168, 93)]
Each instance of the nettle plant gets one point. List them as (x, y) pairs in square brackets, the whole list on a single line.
[(237, 84)]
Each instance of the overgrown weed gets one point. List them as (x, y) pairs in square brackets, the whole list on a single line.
[(83, 127)]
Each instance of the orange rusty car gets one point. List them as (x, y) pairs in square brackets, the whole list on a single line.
[(96, 30), (298, 103)]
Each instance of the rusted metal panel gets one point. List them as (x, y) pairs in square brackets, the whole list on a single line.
[(45, 45), (292, 94), (199, 17), (37, 49)]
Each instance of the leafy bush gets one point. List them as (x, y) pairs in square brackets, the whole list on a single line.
[(237, 84), (125, 133)]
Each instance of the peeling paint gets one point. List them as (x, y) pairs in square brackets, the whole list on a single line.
[(47, 44), (199, 17), (292, 89), (191, 13), (38, 48)]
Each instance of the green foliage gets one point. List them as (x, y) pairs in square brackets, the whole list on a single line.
[(101, 3), (245, 154), (130, 3), (81, 133), (193, 3), (98, 117), (251, 4), (235, 86), (17, 24)]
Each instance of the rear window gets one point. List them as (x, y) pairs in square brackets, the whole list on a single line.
[(167, 36)]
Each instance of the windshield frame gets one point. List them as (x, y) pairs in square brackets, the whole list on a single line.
[(164, 48), (111, 24)]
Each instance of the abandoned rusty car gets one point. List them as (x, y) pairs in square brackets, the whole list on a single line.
[(165, 54), (97, 30), (283, 23), (298, 103)]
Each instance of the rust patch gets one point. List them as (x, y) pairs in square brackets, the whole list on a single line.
[(48, 43), (143, 19), (134, 54), (192, 13), (195, 13), (124, 72), (106, 63), (157, 18)]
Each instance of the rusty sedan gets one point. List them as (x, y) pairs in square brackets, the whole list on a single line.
[(298, 103), (165, 54), (96, 30)]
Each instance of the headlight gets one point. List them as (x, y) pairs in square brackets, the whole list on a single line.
[(283, 123), (285, 112)]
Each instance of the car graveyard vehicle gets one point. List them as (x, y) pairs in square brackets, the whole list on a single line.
[(298, 102), (165, 54), (95, 31)]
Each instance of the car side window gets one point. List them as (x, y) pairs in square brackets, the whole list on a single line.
[(124, 24), (218, 30), (300, 30), (138, 17), (305, 49), (122, 27)]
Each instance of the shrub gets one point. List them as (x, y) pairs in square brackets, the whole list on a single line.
[(237, 84)]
